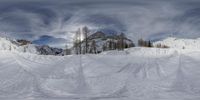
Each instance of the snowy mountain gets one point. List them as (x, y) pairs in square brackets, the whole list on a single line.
[(99, 42), (27, 47), (192, 44)]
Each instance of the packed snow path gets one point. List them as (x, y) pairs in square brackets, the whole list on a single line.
[(135, 74)]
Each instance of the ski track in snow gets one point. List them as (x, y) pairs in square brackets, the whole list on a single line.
[(136, 74)]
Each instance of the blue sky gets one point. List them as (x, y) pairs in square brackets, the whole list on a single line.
[(53, 22)]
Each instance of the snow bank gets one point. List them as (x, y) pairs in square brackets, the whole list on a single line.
[(128, 75)]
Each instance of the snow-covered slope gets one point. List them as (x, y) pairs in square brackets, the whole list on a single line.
[(6, 44), (193, 44), (13, 45), (134, 74)]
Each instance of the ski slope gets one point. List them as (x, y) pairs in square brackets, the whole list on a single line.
[(133, 74)]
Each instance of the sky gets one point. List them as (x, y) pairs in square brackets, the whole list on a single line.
[(54, 22)]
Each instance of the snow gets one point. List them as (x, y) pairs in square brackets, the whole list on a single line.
[(14, 46), (5, 44), (192, 44), (133, 74)]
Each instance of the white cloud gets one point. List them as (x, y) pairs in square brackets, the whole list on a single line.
[(137, 18)]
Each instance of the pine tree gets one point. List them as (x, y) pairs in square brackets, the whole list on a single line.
[(109, 45), (141, 42), (150, 44)]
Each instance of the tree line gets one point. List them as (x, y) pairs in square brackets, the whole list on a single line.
[(83, 43), (144, 43)]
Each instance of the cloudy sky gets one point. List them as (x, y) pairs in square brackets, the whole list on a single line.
[(53, 22)]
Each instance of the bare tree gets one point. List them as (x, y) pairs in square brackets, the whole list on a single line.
[(141, 42), (104, 48), (75, 45), (93, 47), (144, 43), (76, 42), (110, 44), (85, 31), (121, 42), (67, 50), (79, 41)]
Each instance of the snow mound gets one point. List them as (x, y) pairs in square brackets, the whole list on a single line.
[(192, 44), (133, 75)]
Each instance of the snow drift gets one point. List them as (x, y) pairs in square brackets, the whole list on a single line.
[(133, 74)]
